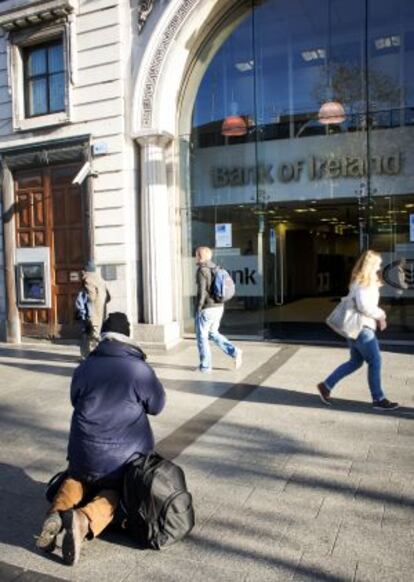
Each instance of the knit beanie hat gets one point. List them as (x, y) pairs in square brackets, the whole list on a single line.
[(116, 322), (90, 267)]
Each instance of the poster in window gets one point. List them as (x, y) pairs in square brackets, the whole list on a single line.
[(223, 235)]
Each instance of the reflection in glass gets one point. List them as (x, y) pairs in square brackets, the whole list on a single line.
[(57, 92), (306, 195), (44, 79), (38, 96), (37, 63)]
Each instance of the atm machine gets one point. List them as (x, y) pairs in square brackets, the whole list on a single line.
[(33, 278)]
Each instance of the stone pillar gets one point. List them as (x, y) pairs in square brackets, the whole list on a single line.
[(13, 329), (158, 328)]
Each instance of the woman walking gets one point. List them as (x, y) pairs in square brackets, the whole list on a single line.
[(364, 285)]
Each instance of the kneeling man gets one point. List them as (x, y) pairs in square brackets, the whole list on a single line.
[(112, 392)]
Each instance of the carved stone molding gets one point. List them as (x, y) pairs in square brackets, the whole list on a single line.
[(35, 14), (144, 10), (151, 79)]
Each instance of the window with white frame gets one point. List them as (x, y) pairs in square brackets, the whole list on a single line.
[(40, 77)]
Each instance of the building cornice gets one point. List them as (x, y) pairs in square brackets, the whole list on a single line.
[(22, 16)]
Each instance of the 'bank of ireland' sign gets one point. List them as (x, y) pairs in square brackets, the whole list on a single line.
[(315, 168), (305, 168)]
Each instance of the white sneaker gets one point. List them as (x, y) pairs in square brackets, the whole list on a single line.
[(238, 359)]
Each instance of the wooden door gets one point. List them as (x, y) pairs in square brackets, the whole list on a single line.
[(49, 213), (67, 247), (33, 221)]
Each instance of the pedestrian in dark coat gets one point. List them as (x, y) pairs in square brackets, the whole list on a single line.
[(112, 392)]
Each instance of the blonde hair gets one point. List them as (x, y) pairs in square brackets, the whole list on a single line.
[(364, 272), (204, 254)]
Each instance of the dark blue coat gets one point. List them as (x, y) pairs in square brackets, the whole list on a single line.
[(112, 392)]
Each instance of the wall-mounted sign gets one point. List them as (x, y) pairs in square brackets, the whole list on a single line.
[(315, 167), (411, 227), (245, 273), (223, 235), (308, 168), (74, 276), (100, 148)]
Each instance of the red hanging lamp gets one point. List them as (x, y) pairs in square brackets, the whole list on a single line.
[(331, 112), (234, 125)]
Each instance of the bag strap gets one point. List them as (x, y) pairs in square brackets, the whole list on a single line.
[(352, 297)]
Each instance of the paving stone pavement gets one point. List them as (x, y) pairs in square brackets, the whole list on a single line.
[(284, 487)]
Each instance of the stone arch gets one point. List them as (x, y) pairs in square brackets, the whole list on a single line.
[(176, 58)]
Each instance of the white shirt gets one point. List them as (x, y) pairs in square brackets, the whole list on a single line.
[(367, 299)]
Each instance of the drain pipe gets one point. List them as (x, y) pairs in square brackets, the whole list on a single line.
[(13, 329)]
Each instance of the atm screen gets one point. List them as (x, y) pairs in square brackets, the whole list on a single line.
[(32, 283)]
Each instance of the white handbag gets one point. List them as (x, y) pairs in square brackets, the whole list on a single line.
[(345, 319)]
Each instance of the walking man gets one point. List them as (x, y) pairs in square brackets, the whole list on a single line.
[(112, 393), (91, 307), (209, 314)]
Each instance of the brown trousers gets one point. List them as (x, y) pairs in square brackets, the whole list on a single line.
[(99, 511)]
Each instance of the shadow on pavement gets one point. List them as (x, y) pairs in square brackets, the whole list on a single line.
[(42, 368), (285, 397), (28, 354), (22, 507)]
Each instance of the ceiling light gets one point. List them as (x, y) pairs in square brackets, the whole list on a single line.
[(313, 55), (300, 210), (386, 42), (245, 66)]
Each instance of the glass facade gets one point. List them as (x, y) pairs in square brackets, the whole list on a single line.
[(301, 156)]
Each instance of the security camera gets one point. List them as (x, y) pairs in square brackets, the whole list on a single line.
[(82, 174)]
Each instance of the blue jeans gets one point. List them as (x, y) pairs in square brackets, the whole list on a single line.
[(207, 323), (364, 349)]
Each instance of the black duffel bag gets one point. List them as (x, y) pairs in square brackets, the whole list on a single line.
[(156, 505)]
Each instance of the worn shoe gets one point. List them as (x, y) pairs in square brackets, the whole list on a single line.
[(52, 526), (204, 370), (76, 526), (324, 394), (385, 404), (238, 359)]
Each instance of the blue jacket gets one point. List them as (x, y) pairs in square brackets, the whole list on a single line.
[(82, 307), (112, 392)]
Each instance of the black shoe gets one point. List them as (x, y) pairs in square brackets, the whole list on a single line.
[(324, 394), (385, 404), (52, 526)]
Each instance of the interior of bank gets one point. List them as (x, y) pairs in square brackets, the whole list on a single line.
[(289, 89)]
